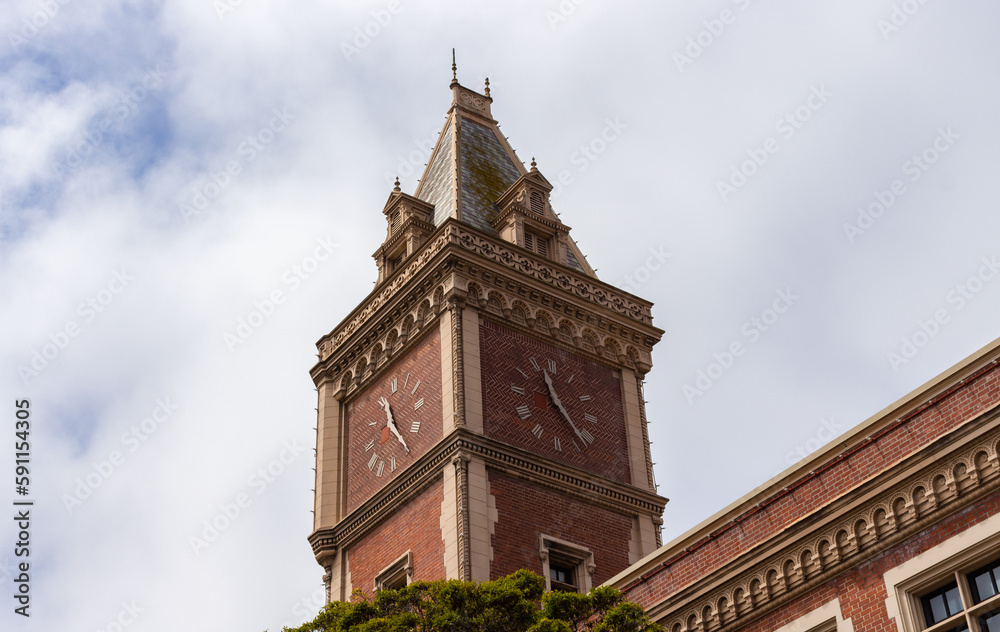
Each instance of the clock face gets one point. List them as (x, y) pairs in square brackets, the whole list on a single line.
[(552, 402), (569, 418), (390, 420), (409, 394)]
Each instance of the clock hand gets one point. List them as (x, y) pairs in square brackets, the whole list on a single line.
[(391, 423), (559, 404)]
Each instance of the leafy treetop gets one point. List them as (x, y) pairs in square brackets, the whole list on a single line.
[(515, 603)]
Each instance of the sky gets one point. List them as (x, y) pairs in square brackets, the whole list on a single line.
[(191, 191)]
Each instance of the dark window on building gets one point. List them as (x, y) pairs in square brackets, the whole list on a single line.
[(990, 622), (562, 577), (941, 604), (985, 582)]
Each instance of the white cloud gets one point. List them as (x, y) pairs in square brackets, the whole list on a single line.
[(322, 176)]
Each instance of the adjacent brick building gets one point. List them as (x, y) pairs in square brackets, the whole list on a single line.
[(894, 527), (481, 410)]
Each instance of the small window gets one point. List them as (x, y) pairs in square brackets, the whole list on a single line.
[(562, 578), (985, 582), (990, 622), (396, 575), (969, 601), (941, 604), (394, 219), (566, 566)]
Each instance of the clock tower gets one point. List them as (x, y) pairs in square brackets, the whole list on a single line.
[(482, 410)]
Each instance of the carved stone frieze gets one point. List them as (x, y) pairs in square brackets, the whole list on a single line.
[(856, 533), (386, 322)]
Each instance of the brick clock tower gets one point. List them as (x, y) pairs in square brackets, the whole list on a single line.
[(481, 410)]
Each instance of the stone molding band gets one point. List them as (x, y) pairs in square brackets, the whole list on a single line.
[(618, 497), (873, 517)]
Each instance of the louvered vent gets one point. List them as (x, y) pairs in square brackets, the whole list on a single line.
[(537, 202)]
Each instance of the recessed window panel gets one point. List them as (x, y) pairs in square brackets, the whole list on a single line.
[(985, 582), (990, 622), (942, 604)]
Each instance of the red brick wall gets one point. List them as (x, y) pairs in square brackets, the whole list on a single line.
[(505, 359), (831, 481), (862, 591), (423, 364), (416, 527), (525, 511)]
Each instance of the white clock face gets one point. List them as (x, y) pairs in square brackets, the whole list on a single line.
[(559, 407), (390, 423)]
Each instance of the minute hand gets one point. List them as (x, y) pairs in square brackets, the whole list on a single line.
[(392, 423), (559, 405)]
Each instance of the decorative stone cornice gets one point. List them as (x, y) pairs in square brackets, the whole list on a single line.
[(572, 309), (498, 456), (923, 489), (553, 274)]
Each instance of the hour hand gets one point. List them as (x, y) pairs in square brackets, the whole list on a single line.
[(391, 423), (559, 405)]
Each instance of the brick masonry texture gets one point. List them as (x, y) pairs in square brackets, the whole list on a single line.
[(775, 514), (525, 511), (503, 352), (862, 591), (413, 527), (423, 364)]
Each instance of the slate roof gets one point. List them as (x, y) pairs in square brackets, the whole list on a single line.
[(487, 173), (474, 160), (438, 184)]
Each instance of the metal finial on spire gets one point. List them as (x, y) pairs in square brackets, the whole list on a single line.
[(454, 67), (533, 165), (487, 92), (396, 188)]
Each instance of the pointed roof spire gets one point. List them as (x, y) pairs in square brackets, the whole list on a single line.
[(472, 166)]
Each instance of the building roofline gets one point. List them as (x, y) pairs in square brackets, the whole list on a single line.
[(914, 401)]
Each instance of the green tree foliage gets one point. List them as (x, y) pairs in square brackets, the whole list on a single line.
[(516, 603)]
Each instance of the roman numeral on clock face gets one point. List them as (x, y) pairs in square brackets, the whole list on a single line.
[(557, 444), (586, 436), (552, 366), (415, 427), (523, 412), (534, 364), (415, 387), (372, 461), (392, 464), (585, 398), (524, 374), (590, 418), (381, 468), (517, 389), (370, 445), (537, 431), (395, 384), (417, 404)]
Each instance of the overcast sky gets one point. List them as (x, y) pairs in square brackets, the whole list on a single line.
[(170, 168)]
